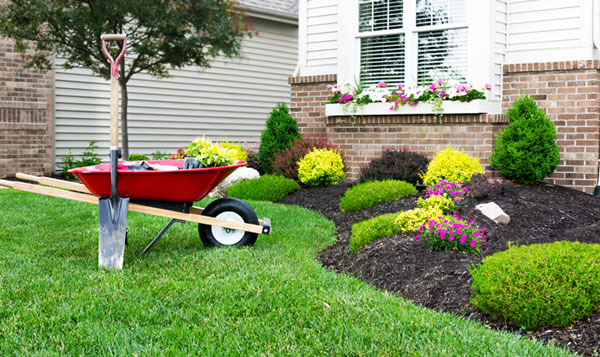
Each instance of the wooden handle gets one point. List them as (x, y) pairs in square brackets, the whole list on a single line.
[(114, 111), (73, 186), (113, 37)]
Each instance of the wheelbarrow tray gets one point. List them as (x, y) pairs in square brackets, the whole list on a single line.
[(175, 186)]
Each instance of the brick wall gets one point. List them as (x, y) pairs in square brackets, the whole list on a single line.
[(569, 92), (26, 115)]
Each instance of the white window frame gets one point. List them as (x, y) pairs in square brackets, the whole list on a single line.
[(480, 41)]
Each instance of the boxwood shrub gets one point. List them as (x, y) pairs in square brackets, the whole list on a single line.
[(539, 285), (370, 230), (369, 194), (265, 188)]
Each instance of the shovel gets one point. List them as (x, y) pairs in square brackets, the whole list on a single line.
[(113, 210)]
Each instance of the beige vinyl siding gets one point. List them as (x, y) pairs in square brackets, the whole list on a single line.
[(544, 25), (231, 100), (321, 37), (499, 47)]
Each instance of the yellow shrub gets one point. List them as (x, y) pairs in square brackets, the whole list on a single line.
[(452, 165), (410, 221), (321, 167), (237, 151), (437, 201)]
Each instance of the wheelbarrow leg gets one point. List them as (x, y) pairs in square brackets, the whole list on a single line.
[(165, 228)]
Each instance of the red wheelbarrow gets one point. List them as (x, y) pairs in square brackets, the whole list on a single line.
[(224, 222)]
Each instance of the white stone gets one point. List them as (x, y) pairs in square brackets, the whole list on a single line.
[(492, 211), (240, 174)]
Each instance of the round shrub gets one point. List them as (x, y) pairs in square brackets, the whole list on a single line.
[(369, 194), (281, 130), (395, 165), (526, 151), (265, 188), (451, 165), (285, 162), (539, 285), (370, 230), (321, 167)]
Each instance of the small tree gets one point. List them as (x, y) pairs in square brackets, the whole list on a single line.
[(159, 34), (526, 151), (279, 134)]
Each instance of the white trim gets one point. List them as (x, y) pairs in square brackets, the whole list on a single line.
[(474, 107), (302, 35)]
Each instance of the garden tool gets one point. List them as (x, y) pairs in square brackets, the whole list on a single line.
[(113, 210)]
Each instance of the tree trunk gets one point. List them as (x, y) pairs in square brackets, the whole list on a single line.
[(124, 100)]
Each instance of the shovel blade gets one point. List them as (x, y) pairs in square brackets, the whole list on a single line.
[(113, 230)]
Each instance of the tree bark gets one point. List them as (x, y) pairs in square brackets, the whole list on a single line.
[(124, 100)]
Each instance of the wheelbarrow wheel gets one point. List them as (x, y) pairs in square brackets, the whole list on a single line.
[(228, 209)]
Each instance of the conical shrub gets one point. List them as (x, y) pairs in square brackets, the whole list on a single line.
[(526, 151), (281, 130)]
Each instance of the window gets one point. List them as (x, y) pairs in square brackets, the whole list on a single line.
[(412, 41)]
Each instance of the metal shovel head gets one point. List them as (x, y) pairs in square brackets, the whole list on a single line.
[(113, 229)]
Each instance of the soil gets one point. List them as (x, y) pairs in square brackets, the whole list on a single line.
[(440, 280)]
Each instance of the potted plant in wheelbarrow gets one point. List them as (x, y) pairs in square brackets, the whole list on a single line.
[(166, 188)]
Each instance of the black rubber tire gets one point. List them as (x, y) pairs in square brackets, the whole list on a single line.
[(224, 205)]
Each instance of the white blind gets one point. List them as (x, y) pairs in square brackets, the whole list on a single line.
[(439, 12), (442, 54), (379, 15), (382, 59)]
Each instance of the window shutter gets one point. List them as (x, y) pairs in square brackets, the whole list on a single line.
[(439, 12), (379, 15), (382, 59), (442, 54)]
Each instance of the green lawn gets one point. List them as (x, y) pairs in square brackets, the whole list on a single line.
[(181, 298)]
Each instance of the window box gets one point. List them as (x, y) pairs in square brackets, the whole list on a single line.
[(474, 107)]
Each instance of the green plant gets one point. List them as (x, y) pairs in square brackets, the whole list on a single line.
[(539, 285), (254, 162), (157, 155), (451, 165), (412, 220), (370, 230), (281, 130), (195, 147), (369, 194), (237, 151), (88, 158), (395, 165), (526, 151), (321, 167), (439, 201), (265, 188), (138, 157), (214, 156)]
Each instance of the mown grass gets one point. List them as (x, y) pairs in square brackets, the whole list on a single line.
[(181, 298)]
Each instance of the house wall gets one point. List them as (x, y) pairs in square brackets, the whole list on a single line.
[(318, 36), (231, 100), (26, 121)]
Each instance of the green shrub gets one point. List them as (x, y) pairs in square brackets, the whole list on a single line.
[(370, 230), (157, 155), (265, 188), (369, 194), (526, 151), (209, 154), (285, 162), (321, 167), (88, 158), (281, 130), (451, 165), (138, 157), (237, 151), (395, 165), (540, 285), (437, 201), (412, 220)]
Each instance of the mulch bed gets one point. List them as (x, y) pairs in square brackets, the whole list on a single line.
[(440, 280)]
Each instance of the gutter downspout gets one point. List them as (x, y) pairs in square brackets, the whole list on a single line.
[(596, 41)]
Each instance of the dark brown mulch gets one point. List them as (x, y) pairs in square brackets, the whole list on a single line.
[(440, 280)]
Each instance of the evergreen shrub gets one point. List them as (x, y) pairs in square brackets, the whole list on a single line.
[(281, 130), (321, 167), (526, 151)]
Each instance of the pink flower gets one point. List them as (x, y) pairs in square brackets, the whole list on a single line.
[(433, 87), (451, 238), (473, 243), (381, 84), (463, 238), (392, 107), (414, 104), (488, 86), (417, 237), (440, 82), (442, 94), (401, 87)]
